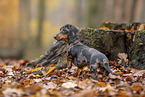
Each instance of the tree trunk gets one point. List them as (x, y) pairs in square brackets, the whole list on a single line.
[(40, 22), (95, 12), (134, 5), (24, 27)]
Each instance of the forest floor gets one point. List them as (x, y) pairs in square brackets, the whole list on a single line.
[(16, 80)]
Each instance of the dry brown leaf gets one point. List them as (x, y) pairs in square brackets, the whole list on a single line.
[(83, 84), (101, 84)]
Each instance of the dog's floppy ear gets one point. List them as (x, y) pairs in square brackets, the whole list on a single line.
[(73, 33)]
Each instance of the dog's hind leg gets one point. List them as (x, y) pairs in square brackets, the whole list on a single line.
[(103, 71), (93, 69), (106, 66)]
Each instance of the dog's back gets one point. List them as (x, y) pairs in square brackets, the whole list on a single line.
[(86, 55)]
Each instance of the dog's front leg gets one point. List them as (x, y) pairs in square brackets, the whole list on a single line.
[(79, 70), (94, 71), (69, 63)]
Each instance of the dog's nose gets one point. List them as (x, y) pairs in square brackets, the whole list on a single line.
[(55, 36)]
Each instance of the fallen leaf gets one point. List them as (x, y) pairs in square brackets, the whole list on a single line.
[(10, 91), (37, 80), (69, 85), (101, 84), (83, 84), (104, 28), (34, 70), (138, 88), (50, 70), (50, 85), (108, 87), (128, 79)]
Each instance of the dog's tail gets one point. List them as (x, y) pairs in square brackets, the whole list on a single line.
[(106, 65)]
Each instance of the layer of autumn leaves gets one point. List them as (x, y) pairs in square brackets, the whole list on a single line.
[(140, 27), (106, 28), (16, 80)]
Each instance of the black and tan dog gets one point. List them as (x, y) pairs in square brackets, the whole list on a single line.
[(82, 55)]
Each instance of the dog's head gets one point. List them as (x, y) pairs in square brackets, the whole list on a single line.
[(67, 33)]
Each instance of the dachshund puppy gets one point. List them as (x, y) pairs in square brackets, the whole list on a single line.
[(82, 55)]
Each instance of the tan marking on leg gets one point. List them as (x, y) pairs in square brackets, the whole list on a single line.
[(68, 63), (102, 65), (79, 71)]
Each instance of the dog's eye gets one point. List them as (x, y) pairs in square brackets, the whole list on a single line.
[(64, 32)]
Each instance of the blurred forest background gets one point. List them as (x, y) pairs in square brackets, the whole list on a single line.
[(27, 27)]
